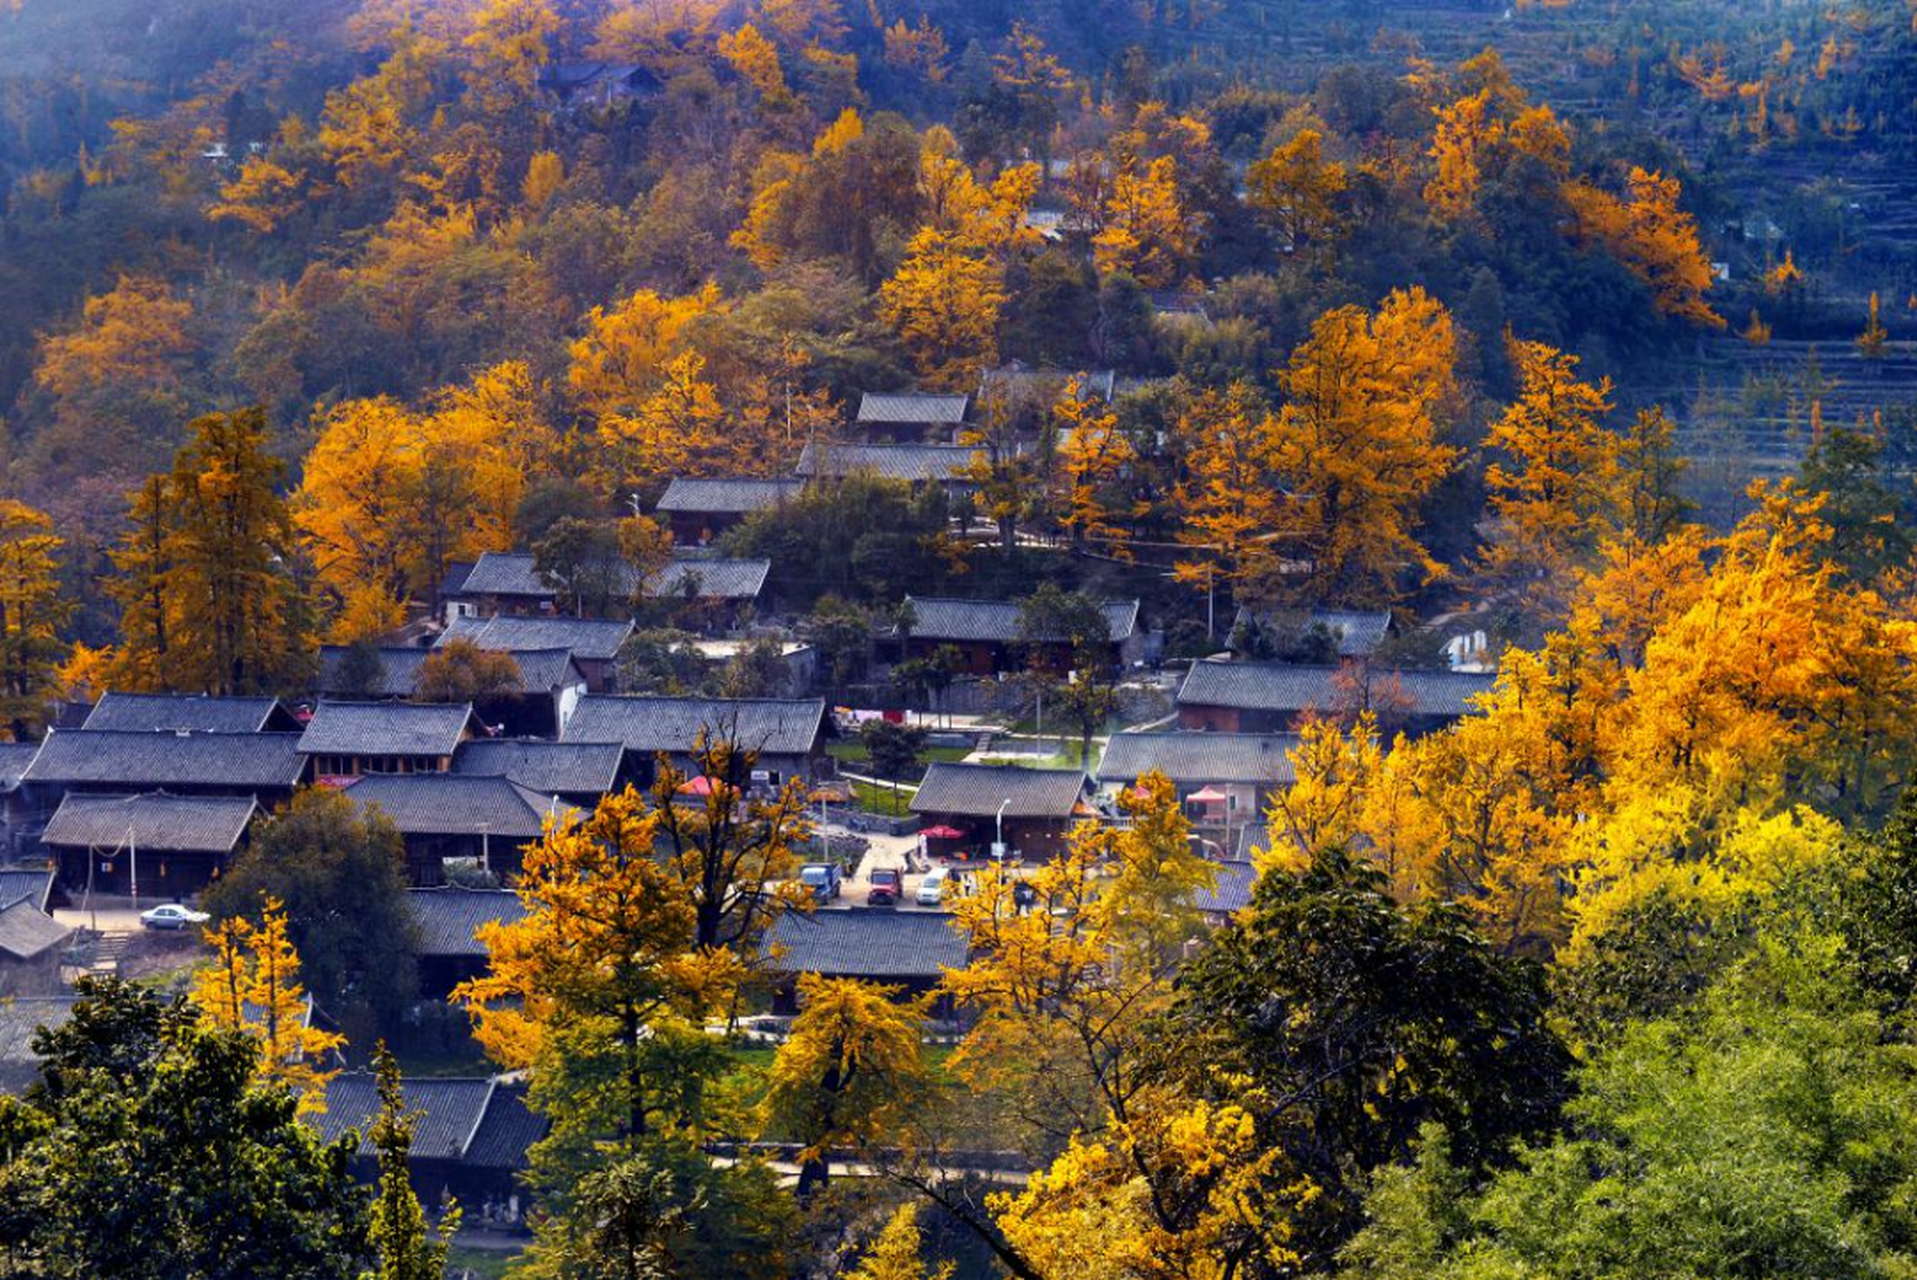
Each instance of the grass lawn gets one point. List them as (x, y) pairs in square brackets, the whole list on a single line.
[(880, 798), (465, 1263), (853, 753)]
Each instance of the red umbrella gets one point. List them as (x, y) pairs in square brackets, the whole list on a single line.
[(1207, 796), (942, 832), (699, 786)]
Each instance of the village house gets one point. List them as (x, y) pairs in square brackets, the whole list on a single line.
[(446, 923), (911, 417), (974, 806), (578, 773), (549, 682), (1271, 697), (1354, 633), (787, 733), (20, 818), (31, 944), (347, 739), (1223, 780), (699, 510), (27, 884), (470, 1139), (1015, 380), (908, 949), (189, 713), (591, 643), (505, 586), (581, 85), (123, 762), (986, 635), (165, 846), (916, 465), (483, 822)]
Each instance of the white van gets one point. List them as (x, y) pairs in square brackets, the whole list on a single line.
[(932, 888)]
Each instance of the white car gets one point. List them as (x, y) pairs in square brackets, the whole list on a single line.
[(173, 916), (932, 889)]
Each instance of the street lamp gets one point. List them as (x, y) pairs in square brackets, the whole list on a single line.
[(998, 822)]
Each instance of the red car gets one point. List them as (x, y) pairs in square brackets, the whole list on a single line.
[(887, 885)]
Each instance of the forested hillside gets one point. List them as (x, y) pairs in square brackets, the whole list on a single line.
[(661, 464)]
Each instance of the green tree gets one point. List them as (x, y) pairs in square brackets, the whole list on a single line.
[(397, 1230), (843, 633), (1869, 521), (342, 877), (894, 751), (1367, 1019), (1769, 1134), (1066, 638), (149, 1149)]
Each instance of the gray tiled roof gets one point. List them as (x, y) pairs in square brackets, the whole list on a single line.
[(710, 579), (726, 496), (504, 573), (450, 804), (1197, 758), (138, 761), (1231, 891), (550, 768), (775, 726), (1289, 689), (594, 639), (1358, 632), (908, 462), (511, 574), (33, 885), (912, 407), (449, 1111), (1254, 839), (21, 1017), (171, 712), (996, 621), (866, 942), (26, 932), (507, 1130), (385, 728), (977, 790), (157, 821), (449, 917), (14, 759)]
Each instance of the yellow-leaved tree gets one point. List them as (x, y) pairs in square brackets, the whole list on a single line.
[(1229, 509), (1652, 236), (1143, 1179), (601, 992), (850, 1073), (1551, 491), (1357, 446), (253, 985), (1300, 191), (1094, 458), (1148, 233)]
